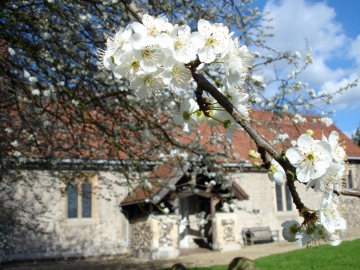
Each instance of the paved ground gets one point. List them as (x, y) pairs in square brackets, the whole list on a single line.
[(189, 260)]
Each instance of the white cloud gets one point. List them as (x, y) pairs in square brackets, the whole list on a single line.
[(336, 55), (348, 100), (295, 20), (355, 50)]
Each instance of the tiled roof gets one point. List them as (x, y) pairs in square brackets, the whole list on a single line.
[(270, 126), (86, 141), (167, 173)]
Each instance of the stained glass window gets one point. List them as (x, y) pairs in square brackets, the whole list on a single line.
[(72, 192), (86, 199)]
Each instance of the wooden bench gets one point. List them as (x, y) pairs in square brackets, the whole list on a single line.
[(259, 235)]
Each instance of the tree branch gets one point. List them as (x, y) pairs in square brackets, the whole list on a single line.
[(350, 192), (205, 85), (137, 12)]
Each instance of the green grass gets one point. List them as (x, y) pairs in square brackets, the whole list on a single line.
[(345, 256), (324, 257)]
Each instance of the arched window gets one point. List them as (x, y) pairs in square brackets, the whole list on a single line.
[(86, 199), (80, 203), (79, 199), (72, 195)]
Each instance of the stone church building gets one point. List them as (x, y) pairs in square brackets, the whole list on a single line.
[(98, 211)]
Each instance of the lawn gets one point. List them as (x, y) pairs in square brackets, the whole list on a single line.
[(345, 256), (324, 257)]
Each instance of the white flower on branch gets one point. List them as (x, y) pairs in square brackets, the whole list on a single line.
[(211, 39), (326, 121), (176, 75), (119, 43), (311, 158), (337, 151), (236, 60), (187, 116), (128, 67), (181, 47), (331, 220), (146, 83), (290, 229), (153, 31), (276, 173), (331, 180)]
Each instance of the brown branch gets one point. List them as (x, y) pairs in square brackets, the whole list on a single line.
[(137, 12), (263, 145), (350, 192), (205, 85)]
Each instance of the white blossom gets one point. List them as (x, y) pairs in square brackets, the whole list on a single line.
[(337, 151), (297, 118), (311, 158), (187, 116), (15, 144), (145, 83), (330, 180), (11, 51), (331, 220), (35, 92), (33, 79), (290, 229), (283, 137), (119, 43), (236, 60), (211, 39), (276, 173), (9, 130), (327, 121), (153, 31), (181, 47), (176, 75)]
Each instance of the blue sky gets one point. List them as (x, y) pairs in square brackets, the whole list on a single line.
[(333, 30)]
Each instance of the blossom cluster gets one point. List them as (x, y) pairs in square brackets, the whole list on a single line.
[(156, 54), (329, 226), (320, 164)]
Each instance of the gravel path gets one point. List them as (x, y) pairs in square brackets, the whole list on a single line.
[(189, 260)]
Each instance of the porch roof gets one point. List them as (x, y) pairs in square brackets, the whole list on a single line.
[(169, 176)]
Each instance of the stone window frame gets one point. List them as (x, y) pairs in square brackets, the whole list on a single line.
[(93, 179), (286, 199)]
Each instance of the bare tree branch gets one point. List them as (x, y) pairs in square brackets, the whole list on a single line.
[(137, 12), (350, 192)]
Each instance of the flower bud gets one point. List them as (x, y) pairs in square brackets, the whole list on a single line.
[(272, 169), (257, 164), (254, 154), (310, 132)]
